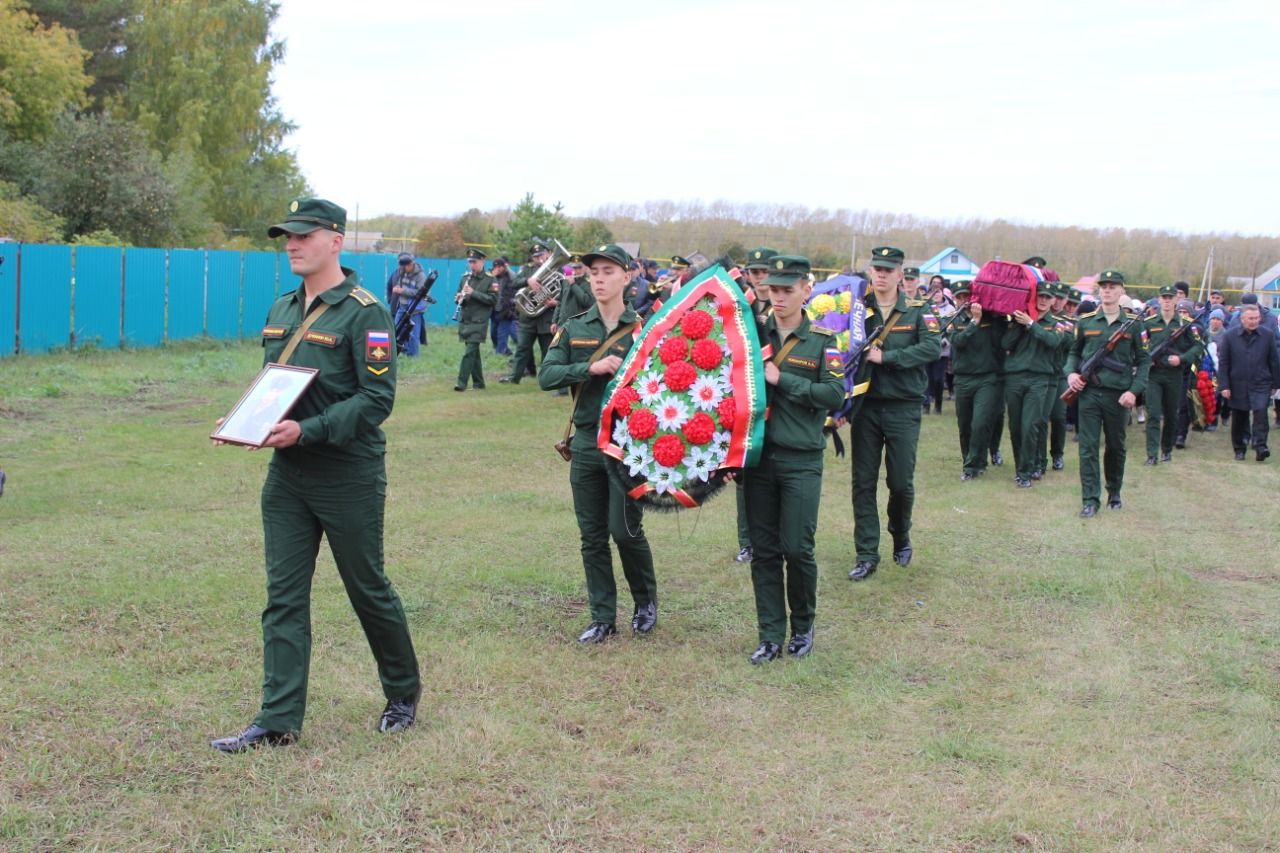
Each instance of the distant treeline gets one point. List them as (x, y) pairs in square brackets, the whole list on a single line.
[(830, 237)]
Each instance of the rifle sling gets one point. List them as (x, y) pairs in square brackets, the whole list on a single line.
[(302, 330)]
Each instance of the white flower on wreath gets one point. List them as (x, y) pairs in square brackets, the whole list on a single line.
[(620, 435), (650, 386), (672, 412), (707, 393), (665, 479), (701, 463), (725, 377), (639, 461), (720, 443)]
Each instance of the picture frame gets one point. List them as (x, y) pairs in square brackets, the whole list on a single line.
[(266, 402)]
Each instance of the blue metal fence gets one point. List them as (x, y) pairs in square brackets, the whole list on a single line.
[(58, 296)]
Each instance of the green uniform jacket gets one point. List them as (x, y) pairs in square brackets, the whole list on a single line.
[(542, 323), (1032, 349), (1092, 332), (473, 325), (914, 341), (567, 361), (975, 347), (1067, 328), (353, 346), (1189, 347), (575, 298), (810, 384)]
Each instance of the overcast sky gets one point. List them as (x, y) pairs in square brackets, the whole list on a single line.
[(1131, 114)]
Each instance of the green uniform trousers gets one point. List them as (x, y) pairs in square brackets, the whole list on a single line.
[(1101, 415), (345, 503), (978, 400), (1164, 392), (471, 366), (744, 523), (1025, 396), (604, 510), (997, 428), (783, 492), (891, 427), (527, 335), (1053, 407)]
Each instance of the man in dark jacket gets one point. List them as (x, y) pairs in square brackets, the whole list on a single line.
[(1249, 370), (503, 322)]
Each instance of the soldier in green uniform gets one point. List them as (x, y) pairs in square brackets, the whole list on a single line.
[(804, 381), (975, 360), (888, 420), (531, 330), (477, 294), (1165, 383), (1030, 370), (585, 353), (575, 297), (1053, 441), (327, 476), (754, 274), (1102, 406)]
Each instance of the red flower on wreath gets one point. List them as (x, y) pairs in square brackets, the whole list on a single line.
[(680, 376), (668, 450), (699, 428), (673, 349), (727, 411), (707, 354), (624, 399), (642, 424), (697, 324)]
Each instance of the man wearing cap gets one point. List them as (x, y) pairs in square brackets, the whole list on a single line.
[(1103, 404), (1052, 440), (804, 381), (1037, 262), (1031, 367), (1166, 382), (477, 294), (911, 281), (584, 355), (576, 295), (754, 275), (903, 336), (403, 285), (327, 477), (975, 360), (504, 312), (531, 330)]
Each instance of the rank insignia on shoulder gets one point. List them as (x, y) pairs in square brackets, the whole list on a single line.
[(821, 331), (364, 297), (377, 346), (274, 331), (556, 338)]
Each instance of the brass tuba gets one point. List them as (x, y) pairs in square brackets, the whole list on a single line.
[(530, 302)]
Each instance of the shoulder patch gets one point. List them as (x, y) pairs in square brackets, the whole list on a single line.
[(364, 297), (377, 345), (930, 321)]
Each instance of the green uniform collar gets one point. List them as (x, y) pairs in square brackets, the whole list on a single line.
[(801, 332), (592, 314), (900, 306), (333, 295)]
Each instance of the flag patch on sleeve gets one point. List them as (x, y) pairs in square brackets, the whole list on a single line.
[(377, 346)]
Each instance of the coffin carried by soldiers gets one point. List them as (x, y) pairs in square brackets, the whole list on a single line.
[(1004, 288)]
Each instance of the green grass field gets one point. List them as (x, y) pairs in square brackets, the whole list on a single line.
[(1033, 681)]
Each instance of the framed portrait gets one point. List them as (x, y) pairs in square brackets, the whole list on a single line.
[(267, 401)]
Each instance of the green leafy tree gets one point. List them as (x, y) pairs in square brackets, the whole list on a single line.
[(589, 233), (475, 228), (97, 173), (100, 27), (23, 219), (531, 219), (441, 239), (210, 103), (41, 72)]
